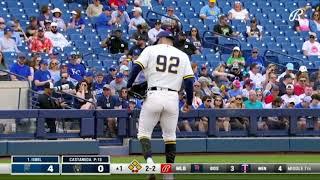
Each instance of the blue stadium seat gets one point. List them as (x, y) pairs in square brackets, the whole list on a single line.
[(197, 58), (73, 6), (185, 9), (314, 59), (281, 39), (212, 58), (224, 57), (191, 15), (207, 51)]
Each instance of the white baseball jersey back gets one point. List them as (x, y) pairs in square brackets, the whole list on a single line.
[(165, 66)]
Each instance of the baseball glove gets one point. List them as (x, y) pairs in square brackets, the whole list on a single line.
[(139, 91)]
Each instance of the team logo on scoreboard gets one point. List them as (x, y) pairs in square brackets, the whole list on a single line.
[(166, 168), (77, 168), (27, 167), (135, 166)]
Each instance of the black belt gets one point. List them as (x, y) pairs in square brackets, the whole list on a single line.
[(161, 89)]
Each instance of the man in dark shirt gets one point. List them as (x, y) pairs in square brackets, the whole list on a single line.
[(223, 27), (115, 43), (111, 75), (185, 45), (287, 79), (139, 47), (65, 79), (45, 101), (107, 101)]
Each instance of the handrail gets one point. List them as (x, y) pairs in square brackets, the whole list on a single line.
[(74, 96), (160, 14), (276, 52), (56, 99), (219, 45), (222, 35)]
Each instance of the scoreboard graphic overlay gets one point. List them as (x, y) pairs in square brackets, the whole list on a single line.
[(101, 165)]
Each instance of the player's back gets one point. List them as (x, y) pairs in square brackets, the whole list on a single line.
[(165, 66)]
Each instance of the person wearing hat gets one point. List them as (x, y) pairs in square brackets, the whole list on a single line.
[(142, 30), (76, 21), (98, 84), (287, 79), (312, 46), (118, 83), (210, 11), (103, 20), (137, 18), (42, 76), (152, 33), (40, 43), (125, 71), (7, 44), (32, 27), (172, 23), (58, 19), (45, 15), (115, 43), (185, 45), (108, 101), (58, 40), (16, 31), (111, 75), (76, 71), (236, 58), (94, 9), (116, 4), (236, 89), (256, 58), (290, 96), (47, 25), (289, 71), (305, 103), (21, 69), (141, 44), (65, 80), (120, 17)]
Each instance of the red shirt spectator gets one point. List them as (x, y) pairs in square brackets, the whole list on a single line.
[(300, 85), (116, 3), (40, 43)]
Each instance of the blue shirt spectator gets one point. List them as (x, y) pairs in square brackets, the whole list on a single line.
[(97, 86), (210, 11), (107, 101), (120, 17), (21, 69), (111, 75), (104, 19), (255, 58), (75, 70), (42, 76)]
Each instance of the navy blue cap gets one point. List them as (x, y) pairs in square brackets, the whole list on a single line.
[(166, 34), (8, 29), (112, 68), (119, 75), (89, 74), (44, 61), (106, 8), (122, 8), (136, 52), (21, 54)]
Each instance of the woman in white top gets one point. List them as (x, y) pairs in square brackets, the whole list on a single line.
[(58, 19), (54, 70), (238, 12)]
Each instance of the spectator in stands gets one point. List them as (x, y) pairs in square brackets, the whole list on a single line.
[(303, 70), (124, 98), (315, 79), (287, 79), (238, 123), (194, 37), (76, 21), (47, 25), (260, 95), (21, 69), (238, 12), (290, 96), (252, 102), (248, 85), (32, 27), (16, 29), (185, 45), (210, 11), (254, 30), (302, 23), (204, 73), (222, 122), (45, 101), (223, 27), (275, 123), (125, 71), (84, 92), (315, 23), (221, 76), (205, 90), (308, 91), (152, 33), (315, 103), (89, 78), (42, 76), (103, 20), (2, 26), (120, 17), (289, 71), (45, 15), (271, 69), (236, 58), (40, 43), (58, 19), (111, 75), (141, 31), (139, 47), (197, 88), (3, 66), (118, 83), (98, 84), (116, 4), (115, 43), (235, 91), (311, 47), (202, 124), (256, 58), (7, 44), (65, 79), (107, 101), (54, 70), (172, 23), (58, 40), (94, 9), (75, 70), (137, 18), (300, 85), (255, 75), (183, 123), (270, 97)]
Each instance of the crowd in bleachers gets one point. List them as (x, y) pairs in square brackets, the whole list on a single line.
[(91, 47)]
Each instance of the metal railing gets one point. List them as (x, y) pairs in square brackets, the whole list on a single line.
[(216, 35), (164, 15)]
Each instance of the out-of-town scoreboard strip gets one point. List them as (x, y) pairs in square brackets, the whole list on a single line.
[(101, 165)]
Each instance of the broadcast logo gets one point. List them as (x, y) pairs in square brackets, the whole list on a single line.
[(166, 168), (135, 166)]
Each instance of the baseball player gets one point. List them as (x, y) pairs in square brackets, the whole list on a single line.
[(165, 68)]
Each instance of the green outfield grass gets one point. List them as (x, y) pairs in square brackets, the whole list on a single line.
[(215, 158)]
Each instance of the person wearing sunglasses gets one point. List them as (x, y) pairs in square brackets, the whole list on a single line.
[(76, 71), (172, 23), (58, 40), (311, 47), (255, 57), (315, 22), (252, 102), (202, 123)]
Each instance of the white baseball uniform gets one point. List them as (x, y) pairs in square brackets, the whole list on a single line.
[(165, 67)]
